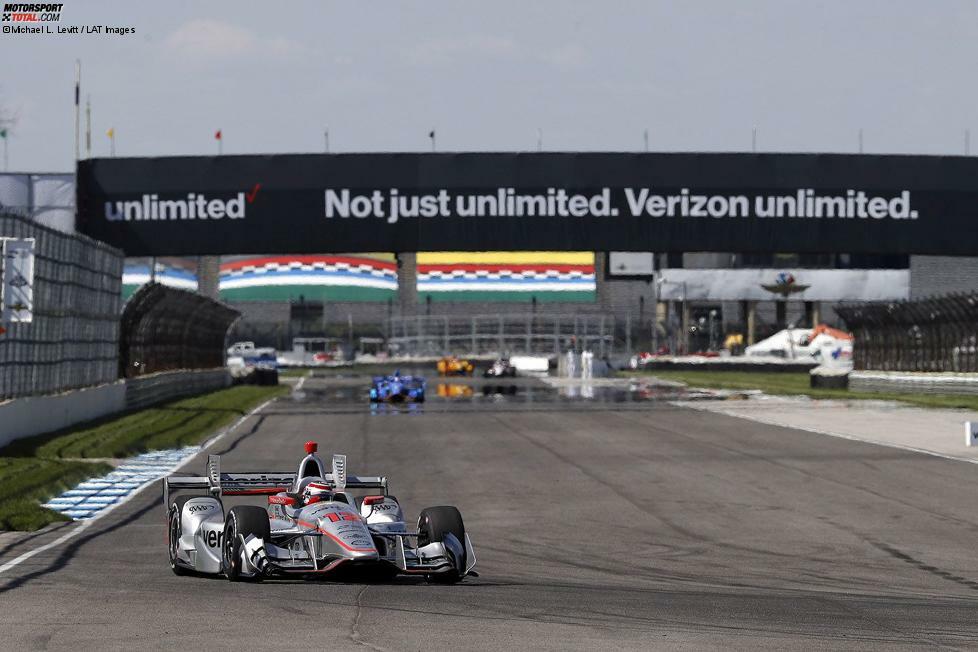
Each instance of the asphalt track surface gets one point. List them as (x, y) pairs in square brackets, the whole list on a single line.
[(597, 525)]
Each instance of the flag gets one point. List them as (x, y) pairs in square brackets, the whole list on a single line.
[(3, 134), (217, 135), (431, 134), (110, 133)]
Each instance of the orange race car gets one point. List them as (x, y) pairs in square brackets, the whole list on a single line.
[(452, 366)]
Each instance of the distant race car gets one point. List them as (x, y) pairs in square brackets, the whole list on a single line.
[(500, 369), (312, 526), (452, 366), (397, 389)]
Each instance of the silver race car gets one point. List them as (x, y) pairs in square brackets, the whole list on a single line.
[(311, 526)]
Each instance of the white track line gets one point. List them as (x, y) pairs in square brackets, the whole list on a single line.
[(86, 524)]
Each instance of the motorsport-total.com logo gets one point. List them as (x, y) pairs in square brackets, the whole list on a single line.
[(14, 12)]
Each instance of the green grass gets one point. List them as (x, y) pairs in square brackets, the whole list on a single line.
[(26, 482), (35, 469), (797, 383), (292, 373)]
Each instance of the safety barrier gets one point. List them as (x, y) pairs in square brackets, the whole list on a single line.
[(73, 338), (168, 385), (166, 329), (903, 382), (499, 335), (937, 334)]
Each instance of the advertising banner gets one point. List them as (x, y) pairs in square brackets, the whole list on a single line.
[(328, 203)]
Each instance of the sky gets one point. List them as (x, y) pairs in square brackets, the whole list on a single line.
[(496, 76)]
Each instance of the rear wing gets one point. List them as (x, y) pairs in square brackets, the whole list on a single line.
[(261, 483)]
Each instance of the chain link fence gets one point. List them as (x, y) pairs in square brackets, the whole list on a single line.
[(501, 334), (937, 334), (73, 340)]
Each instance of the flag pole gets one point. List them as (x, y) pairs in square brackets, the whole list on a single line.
[(431, 135), (77, 108), (3, 132), (326, 135)]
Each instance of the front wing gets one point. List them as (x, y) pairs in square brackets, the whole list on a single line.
[(300, 551)]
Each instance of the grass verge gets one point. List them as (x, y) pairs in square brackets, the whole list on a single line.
[(792, 383), (35, 469)]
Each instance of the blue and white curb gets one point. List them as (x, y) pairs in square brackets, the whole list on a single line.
[(94, 495), (95, 516)]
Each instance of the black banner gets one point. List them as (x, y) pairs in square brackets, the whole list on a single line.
[(799, 203)]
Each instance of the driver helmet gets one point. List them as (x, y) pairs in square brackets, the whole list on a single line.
[(317, 491)]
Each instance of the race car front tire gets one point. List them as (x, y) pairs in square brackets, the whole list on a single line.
[(174, 531), (240, 522), (433, 524)]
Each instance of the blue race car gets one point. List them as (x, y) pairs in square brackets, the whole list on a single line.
[(397, 389)]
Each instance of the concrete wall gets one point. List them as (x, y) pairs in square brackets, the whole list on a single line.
[(34, 415), (168, 385)]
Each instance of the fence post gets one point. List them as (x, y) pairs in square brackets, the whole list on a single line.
[(628, 333), (501, 349), (557, 334), (475, 348), (601, 324)]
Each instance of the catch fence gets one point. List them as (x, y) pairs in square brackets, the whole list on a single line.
[(501, 334), (166, 329), (73, 338), (936, 334)]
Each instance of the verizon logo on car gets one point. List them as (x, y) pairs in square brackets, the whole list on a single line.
[(196, 206)]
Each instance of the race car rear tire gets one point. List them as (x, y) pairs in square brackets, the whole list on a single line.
[(174, 531), (433, 524), (240, 522)]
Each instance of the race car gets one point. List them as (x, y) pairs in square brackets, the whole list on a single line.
[(397, 389), (312, 526), (499, 369), (452, 366)]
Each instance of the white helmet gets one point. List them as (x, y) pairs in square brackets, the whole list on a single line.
[(317, 490)]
